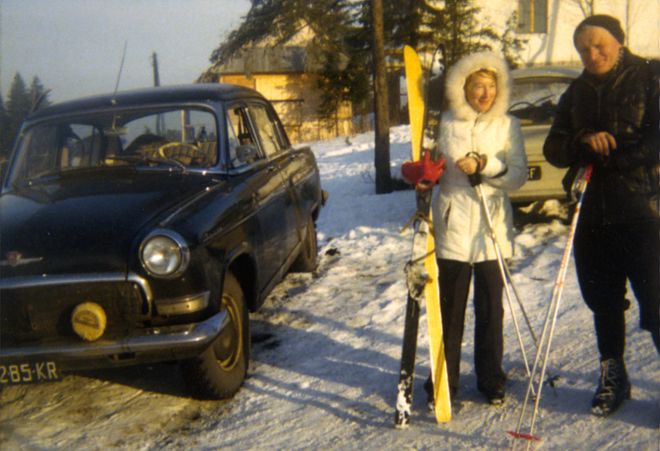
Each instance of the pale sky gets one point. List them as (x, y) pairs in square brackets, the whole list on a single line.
[(75, 46)]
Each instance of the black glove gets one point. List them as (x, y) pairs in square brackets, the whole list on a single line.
[(475, 179)]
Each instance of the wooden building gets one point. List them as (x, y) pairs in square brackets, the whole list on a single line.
[(286, 76)]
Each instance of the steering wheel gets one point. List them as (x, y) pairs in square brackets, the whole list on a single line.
[(523, 103), (183, 152)]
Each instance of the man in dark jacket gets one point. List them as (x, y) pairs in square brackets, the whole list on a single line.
[(608, 118)]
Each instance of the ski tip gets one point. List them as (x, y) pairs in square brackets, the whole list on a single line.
[(522, 435)]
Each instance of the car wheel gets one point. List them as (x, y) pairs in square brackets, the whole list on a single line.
[(307, 259), (220, 370)]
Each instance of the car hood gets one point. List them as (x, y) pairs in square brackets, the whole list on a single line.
[(88, 223)]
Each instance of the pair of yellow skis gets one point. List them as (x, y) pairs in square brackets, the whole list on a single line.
[(431, 295)]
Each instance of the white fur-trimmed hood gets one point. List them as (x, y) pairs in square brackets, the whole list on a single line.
[(459, 72)]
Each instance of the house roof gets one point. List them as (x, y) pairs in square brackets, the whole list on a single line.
[(285, 59)]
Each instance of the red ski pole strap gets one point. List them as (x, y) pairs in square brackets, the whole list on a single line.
[(424, 173), (587, 172), (524, 436)]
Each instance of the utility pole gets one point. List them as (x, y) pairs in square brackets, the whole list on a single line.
[(382, 151), (154, 63), (160, 126)]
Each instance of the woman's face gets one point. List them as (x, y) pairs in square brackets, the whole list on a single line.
[(480, 92)]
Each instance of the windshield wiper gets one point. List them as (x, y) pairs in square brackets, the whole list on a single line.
[(44, 177)]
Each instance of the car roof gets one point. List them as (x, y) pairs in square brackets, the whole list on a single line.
[(546, 71), (199, 92)]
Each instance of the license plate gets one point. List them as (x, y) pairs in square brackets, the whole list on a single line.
[(28, 372), (534, 173)]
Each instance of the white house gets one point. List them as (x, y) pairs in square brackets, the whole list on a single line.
[(548, 25)]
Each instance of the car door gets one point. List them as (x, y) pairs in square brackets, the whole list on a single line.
[(265, 185), (277, 149), (300, 173)]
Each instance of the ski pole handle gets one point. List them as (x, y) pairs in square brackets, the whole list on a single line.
[(475, 179), (584, 179)]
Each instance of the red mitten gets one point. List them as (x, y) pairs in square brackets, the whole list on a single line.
[(423, 173)]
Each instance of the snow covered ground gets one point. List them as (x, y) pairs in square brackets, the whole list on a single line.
[(326, 350)]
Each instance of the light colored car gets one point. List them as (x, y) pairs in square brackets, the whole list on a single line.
[(534, 98)]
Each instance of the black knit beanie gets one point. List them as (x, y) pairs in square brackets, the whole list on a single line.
[(603, 21)]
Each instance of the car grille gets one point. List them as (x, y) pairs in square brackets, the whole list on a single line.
[(43, 313)]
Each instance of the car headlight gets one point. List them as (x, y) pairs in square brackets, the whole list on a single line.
[(164, 254)]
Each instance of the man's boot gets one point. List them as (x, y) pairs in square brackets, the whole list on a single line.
[(613, 387)]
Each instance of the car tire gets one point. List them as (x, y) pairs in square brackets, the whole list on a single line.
[(308, 257), (219, 372)]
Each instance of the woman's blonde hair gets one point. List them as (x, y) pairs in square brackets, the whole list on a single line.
[(484, 72)]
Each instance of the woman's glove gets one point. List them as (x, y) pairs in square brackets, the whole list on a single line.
[(471, 165)]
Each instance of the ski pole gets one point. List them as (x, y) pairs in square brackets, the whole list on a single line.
[(501, 264), (522, 307), (504, 264), (553, 309)]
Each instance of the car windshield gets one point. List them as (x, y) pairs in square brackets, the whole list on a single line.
[(173, 138), (534, 100)]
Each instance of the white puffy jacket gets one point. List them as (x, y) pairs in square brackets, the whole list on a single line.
[(461, 229)]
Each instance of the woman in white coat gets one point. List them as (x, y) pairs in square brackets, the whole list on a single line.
[(480, 142)]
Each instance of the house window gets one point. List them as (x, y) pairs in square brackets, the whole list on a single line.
[(533, 16)]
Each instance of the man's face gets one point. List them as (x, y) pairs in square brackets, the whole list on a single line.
[(598, 49)]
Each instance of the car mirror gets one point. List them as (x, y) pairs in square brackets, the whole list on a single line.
[(247, 153), (115, 131)]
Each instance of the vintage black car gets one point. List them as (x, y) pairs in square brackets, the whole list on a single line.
[(143, 226)]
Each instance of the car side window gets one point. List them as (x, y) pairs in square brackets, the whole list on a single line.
[(80, 146), (271, 139), (243, 149)]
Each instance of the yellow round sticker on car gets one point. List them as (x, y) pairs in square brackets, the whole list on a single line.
[(89, 320)]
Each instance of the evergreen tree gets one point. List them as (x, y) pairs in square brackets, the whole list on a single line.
[(512, 45), (4, 131), (18, 106), (279, 20), (20, 102), (38, 95), (458, 25), (346, 57)]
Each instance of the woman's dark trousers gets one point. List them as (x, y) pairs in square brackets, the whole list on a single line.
[(454, 278)]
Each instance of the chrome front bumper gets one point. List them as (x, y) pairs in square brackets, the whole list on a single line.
[(152, 344)]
